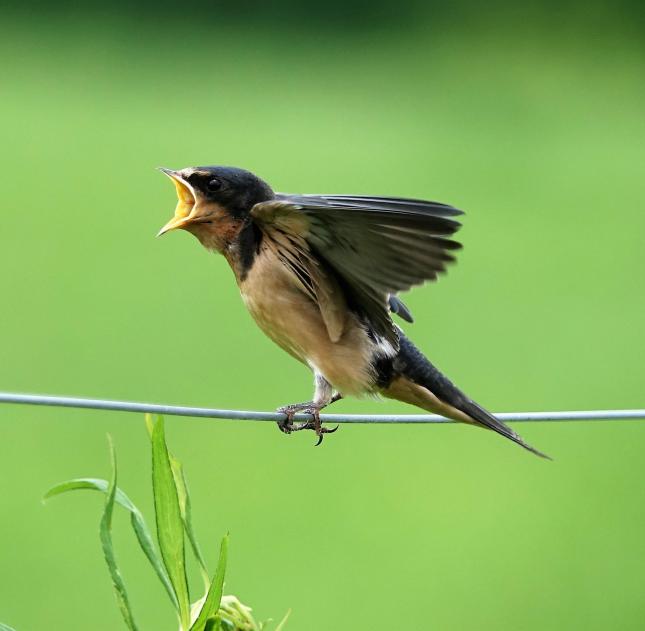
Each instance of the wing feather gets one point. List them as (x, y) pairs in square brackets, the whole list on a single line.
[(375, 246), (286, 229), (397, 306)]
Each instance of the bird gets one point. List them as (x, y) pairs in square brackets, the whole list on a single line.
[(321, 276)]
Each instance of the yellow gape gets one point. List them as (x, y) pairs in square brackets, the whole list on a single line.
[(185, 202)]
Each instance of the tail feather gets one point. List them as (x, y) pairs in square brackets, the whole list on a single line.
[(485, 418), (444, 397)]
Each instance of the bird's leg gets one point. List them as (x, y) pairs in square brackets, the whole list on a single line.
[(323, 396)]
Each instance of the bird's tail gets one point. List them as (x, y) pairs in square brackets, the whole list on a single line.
[(419, 382)]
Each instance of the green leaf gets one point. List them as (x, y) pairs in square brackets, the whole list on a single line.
[(170, 526), (150, 423), (186, 515), (105, 532), (214, 596), (184, 506), (213, 624), (136, 519), (5, 627)]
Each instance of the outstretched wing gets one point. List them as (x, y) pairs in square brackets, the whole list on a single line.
[(375, 246)]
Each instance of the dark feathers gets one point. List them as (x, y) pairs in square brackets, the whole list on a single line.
[(392, 203), (412, 363), (397, 306), (378, 246)]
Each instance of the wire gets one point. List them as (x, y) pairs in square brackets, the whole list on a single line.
[(244, 415)]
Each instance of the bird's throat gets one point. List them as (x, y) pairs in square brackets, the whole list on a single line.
[(236, 240)]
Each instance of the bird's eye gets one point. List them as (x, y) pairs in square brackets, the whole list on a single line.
[(213, 185)]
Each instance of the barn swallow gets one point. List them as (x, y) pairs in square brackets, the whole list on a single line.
[(320, 275)]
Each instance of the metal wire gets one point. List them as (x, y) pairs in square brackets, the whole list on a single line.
[(245, 415)]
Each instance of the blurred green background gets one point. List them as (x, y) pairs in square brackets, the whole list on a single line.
[(531, 119)]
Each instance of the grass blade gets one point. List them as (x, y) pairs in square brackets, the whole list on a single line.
[(150, 423), (184, 506), (186, 515), (283, 622), (170, 526), (136, 519), (5, 627), (214, 596), (105, 532)]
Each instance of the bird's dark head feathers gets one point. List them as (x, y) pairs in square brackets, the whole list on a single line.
[(234, 189), (214, 200)]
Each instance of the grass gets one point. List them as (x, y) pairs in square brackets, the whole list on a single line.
[(537, 136), (212, 612)]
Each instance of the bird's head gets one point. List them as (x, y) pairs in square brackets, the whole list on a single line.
[(214, 202)]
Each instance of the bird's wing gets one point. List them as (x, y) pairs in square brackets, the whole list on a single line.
[(375, 246)]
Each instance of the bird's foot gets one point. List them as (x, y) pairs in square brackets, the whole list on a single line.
[(287, 425), (316, 425)]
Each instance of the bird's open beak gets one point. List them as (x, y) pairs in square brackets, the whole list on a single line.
[(186, 201)]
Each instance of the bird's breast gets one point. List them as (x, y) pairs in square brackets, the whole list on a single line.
[(294, 321)]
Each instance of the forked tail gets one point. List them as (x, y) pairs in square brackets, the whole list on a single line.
[(417, 381)]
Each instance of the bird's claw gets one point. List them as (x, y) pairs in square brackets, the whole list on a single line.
[(317, 427), (287, 426)]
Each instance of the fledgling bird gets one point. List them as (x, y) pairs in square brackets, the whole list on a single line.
[(320, 275)]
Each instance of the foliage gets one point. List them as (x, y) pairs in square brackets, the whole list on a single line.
[(173, 521)]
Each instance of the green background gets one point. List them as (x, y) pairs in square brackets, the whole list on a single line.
[(531, 121)]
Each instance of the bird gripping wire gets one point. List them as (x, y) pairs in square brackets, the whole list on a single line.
[(248, 415)]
